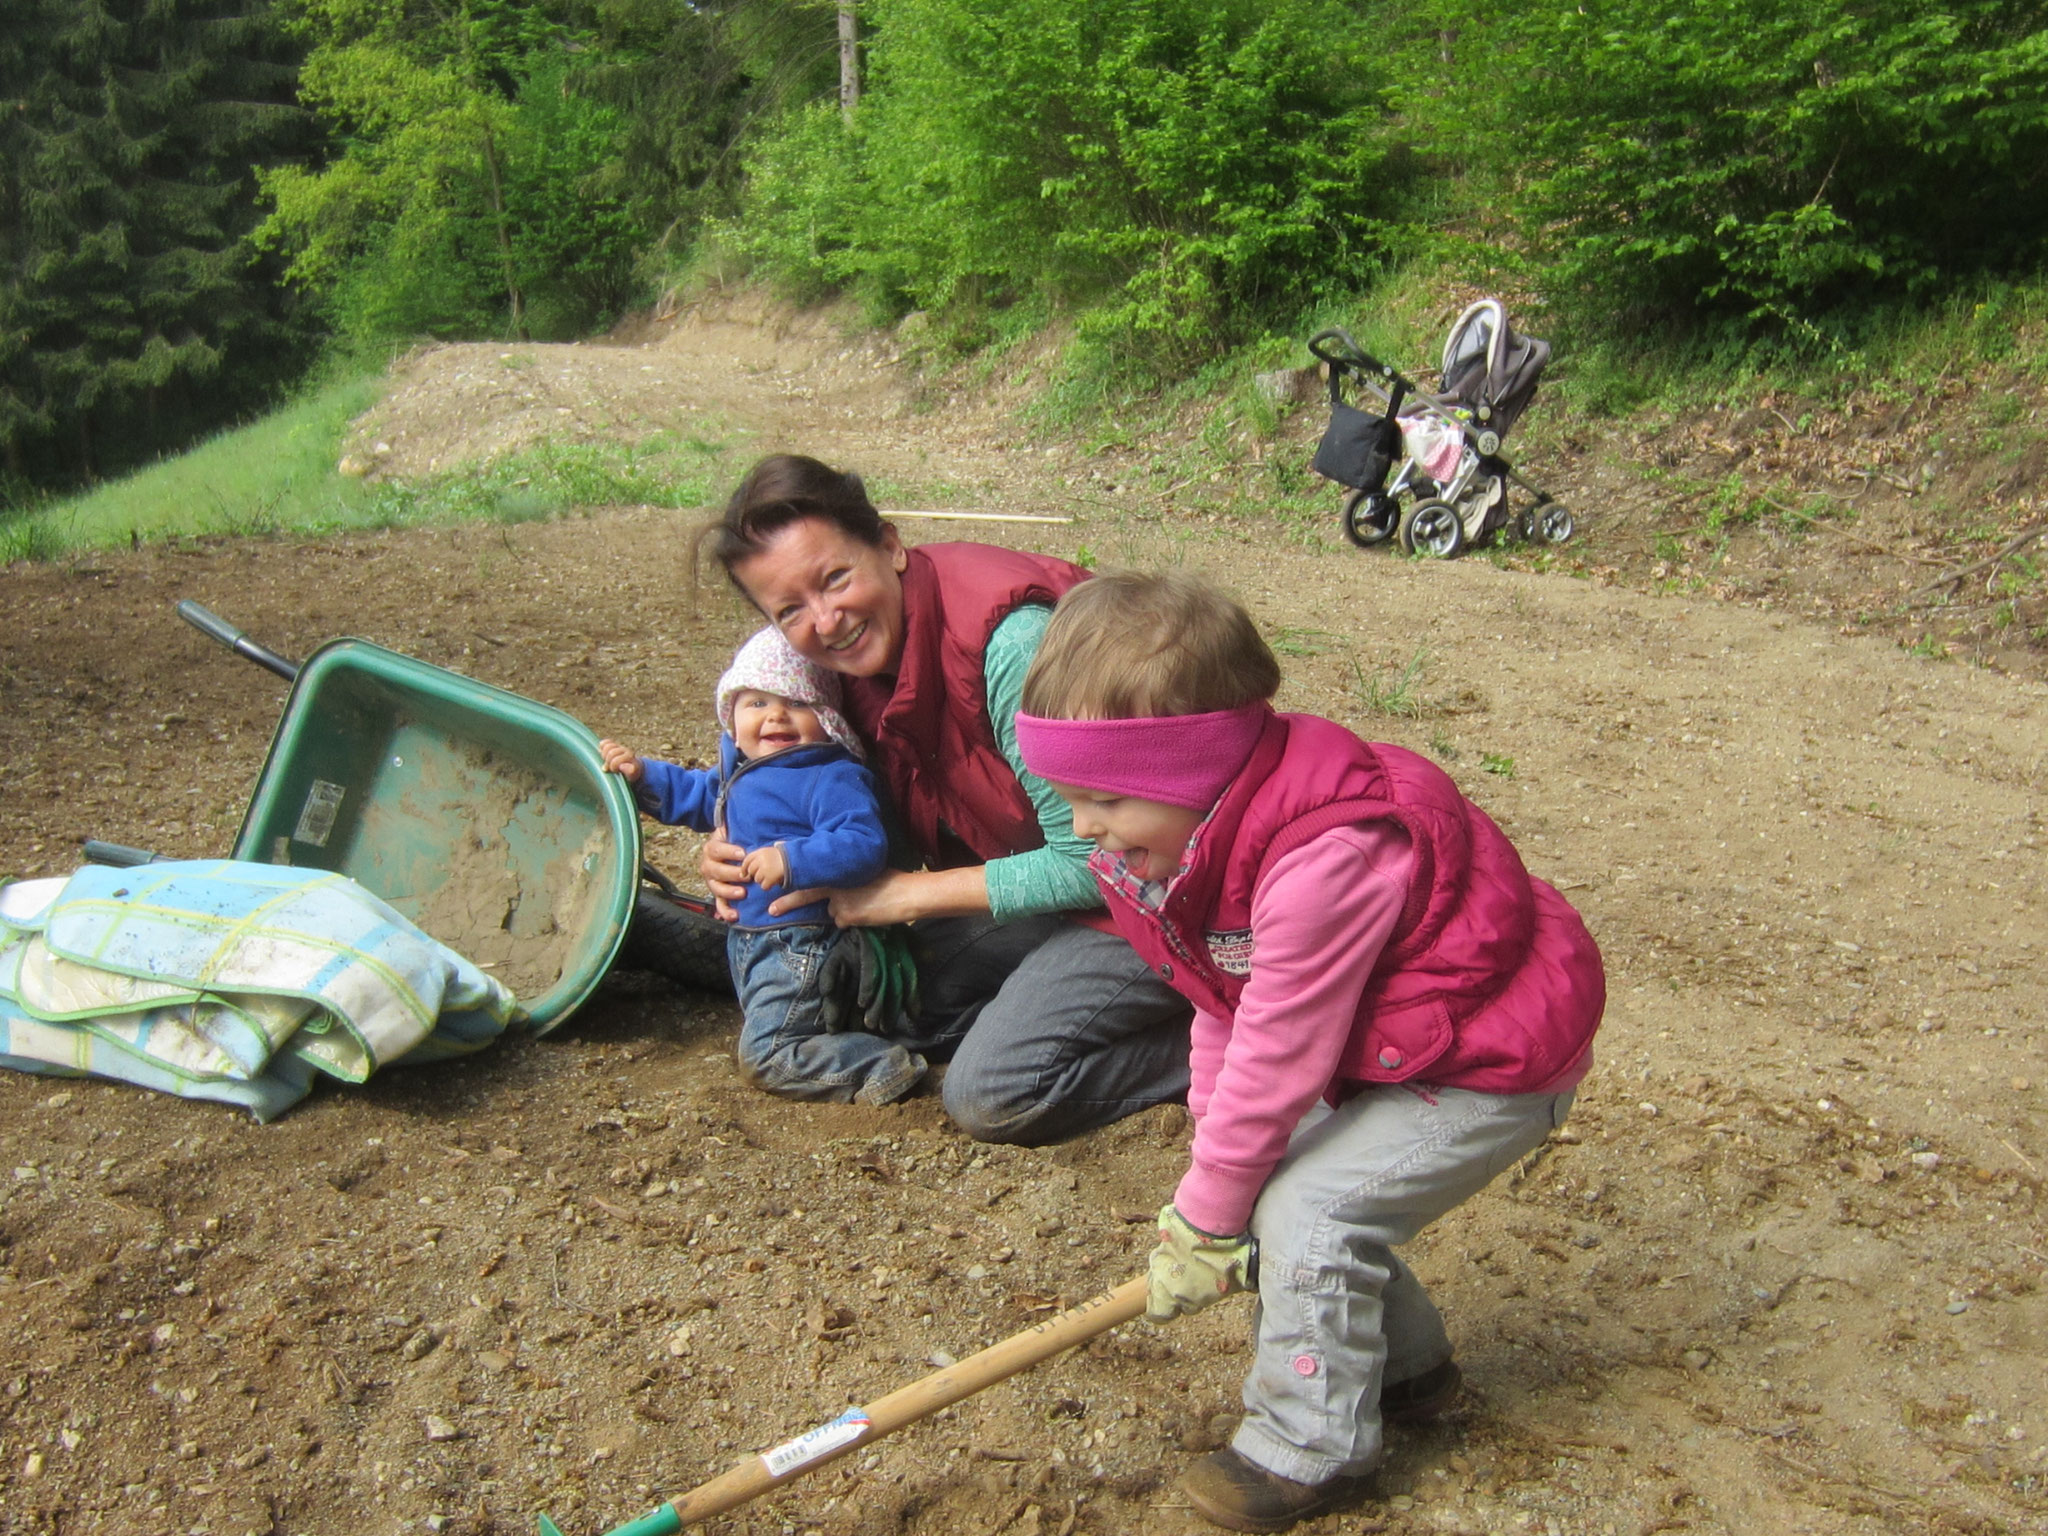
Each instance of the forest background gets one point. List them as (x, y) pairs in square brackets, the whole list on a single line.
[(205, 202)]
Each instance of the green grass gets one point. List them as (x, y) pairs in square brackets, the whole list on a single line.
[(933, 494), (279, 476), (549, 479), (272, 474), (1396, 693), (1899, 353), (1292, 641)]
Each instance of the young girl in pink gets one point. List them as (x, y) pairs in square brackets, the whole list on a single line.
[(1389, 1011)]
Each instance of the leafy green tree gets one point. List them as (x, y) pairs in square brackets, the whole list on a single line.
[(471, 194), (1184, 168), (130, 313), (1777, 160), (690, 82)]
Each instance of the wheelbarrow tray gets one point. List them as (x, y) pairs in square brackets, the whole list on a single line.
[(484, 817)]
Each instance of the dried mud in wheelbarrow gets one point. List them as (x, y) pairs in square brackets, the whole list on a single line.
[(1781, 1273)]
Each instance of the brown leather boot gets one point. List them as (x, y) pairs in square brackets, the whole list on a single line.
[(1231, 1492)]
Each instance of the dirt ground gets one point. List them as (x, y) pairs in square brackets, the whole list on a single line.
[(1781, 1273)]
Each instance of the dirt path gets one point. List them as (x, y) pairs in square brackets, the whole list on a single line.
[(1782, 1272)]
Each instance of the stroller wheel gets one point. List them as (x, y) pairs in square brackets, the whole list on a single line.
[(1370, 517), (1555, 523), (1432, 528)]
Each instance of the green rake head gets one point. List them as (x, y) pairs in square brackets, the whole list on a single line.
[(661, 1522)]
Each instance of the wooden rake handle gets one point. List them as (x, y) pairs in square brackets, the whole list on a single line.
[(859, 1427)]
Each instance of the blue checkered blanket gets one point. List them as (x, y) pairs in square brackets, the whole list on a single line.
[(239, 982)]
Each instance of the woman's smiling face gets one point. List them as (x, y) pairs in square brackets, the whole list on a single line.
[(838, 601)]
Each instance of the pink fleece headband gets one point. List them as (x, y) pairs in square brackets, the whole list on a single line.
[(1183, 760)]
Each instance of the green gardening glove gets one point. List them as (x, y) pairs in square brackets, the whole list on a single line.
[(1191, 1268), (896, 997), (868, 981)]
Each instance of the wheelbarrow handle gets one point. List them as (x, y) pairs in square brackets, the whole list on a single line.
[(117, 855), (206, 621), (906, 1405)]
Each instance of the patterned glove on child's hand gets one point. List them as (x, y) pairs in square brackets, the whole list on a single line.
[(1190, 1269)]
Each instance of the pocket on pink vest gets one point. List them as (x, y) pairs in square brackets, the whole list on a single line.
[(1399, 1044)]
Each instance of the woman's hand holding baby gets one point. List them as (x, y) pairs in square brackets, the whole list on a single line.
[(766, 867), (728, 869), (622, 760), (904, 896), (1191, 1268), (719, 864)]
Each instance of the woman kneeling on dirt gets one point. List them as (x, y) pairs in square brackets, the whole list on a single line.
[(1053, 1024)]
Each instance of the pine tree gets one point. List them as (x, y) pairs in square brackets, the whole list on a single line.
[(131, 313)]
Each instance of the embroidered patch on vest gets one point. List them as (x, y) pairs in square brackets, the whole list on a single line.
[(1232, 952)]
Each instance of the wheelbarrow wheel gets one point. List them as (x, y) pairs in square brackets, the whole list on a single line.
[(677, 939)]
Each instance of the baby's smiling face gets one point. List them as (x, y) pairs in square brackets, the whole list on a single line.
[(766, 723)]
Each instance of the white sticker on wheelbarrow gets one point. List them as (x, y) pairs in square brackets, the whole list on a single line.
[(822, 1441), (316, 816)]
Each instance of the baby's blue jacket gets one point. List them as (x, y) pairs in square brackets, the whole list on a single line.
[(818, 802)]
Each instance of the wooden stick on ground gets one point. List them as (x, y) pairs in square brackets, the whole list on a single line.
[(980, 517), (2013, 546)]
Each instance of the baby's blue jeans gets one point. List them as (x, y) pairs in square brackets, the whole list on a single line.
[(784, 1045), (1338, 1313)]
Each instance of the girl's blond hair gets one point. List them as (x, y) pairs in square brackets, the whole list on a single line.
[(1128, 645)]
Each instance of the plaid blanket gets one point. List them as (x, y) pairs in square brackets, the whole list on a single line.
[(238, 982)]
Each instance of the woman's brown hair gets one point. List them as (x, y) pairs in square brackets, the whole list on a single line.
[(782, 489)]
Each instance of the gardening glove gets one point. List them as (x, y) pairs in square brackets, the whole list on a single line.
[(1191, 1268), (868, 981)]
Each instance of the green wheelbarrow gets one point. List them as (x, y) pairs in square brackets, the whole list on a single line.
[(484, 817)]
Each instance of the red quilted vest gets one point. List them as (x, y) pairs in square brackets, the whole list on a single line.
[(928, 729), (1490, 982)]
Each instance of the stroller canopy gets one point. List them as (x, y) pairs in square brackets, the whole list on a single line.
[(1489, 369)]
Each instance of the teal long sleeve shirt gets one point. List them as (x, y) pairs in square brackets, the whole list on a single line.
[(1054, 878)]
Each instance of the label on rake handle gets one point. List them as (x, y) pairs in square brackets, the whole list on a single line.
[(822, 1441)]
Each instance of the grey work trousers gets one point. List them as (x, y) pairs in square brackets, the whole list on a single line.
[(1053, 1028)]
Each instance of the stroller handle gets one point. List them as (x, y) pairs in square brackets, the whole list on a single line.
[(1338, 348), (1341, 351)]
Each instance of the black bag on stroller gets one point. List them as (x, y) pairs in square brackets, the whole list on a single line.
[(1357, 447)]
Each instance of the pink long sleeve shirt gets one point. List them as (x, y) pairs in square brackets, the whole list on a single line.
[(1320, 918), (1251, 1081)]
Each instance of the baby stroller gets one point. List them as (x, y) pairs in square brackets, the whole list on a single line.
[(1451, 488)]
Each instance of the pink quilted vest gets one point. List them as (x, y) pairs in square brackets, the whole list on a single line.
[(927, 726), (1491, 981)]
